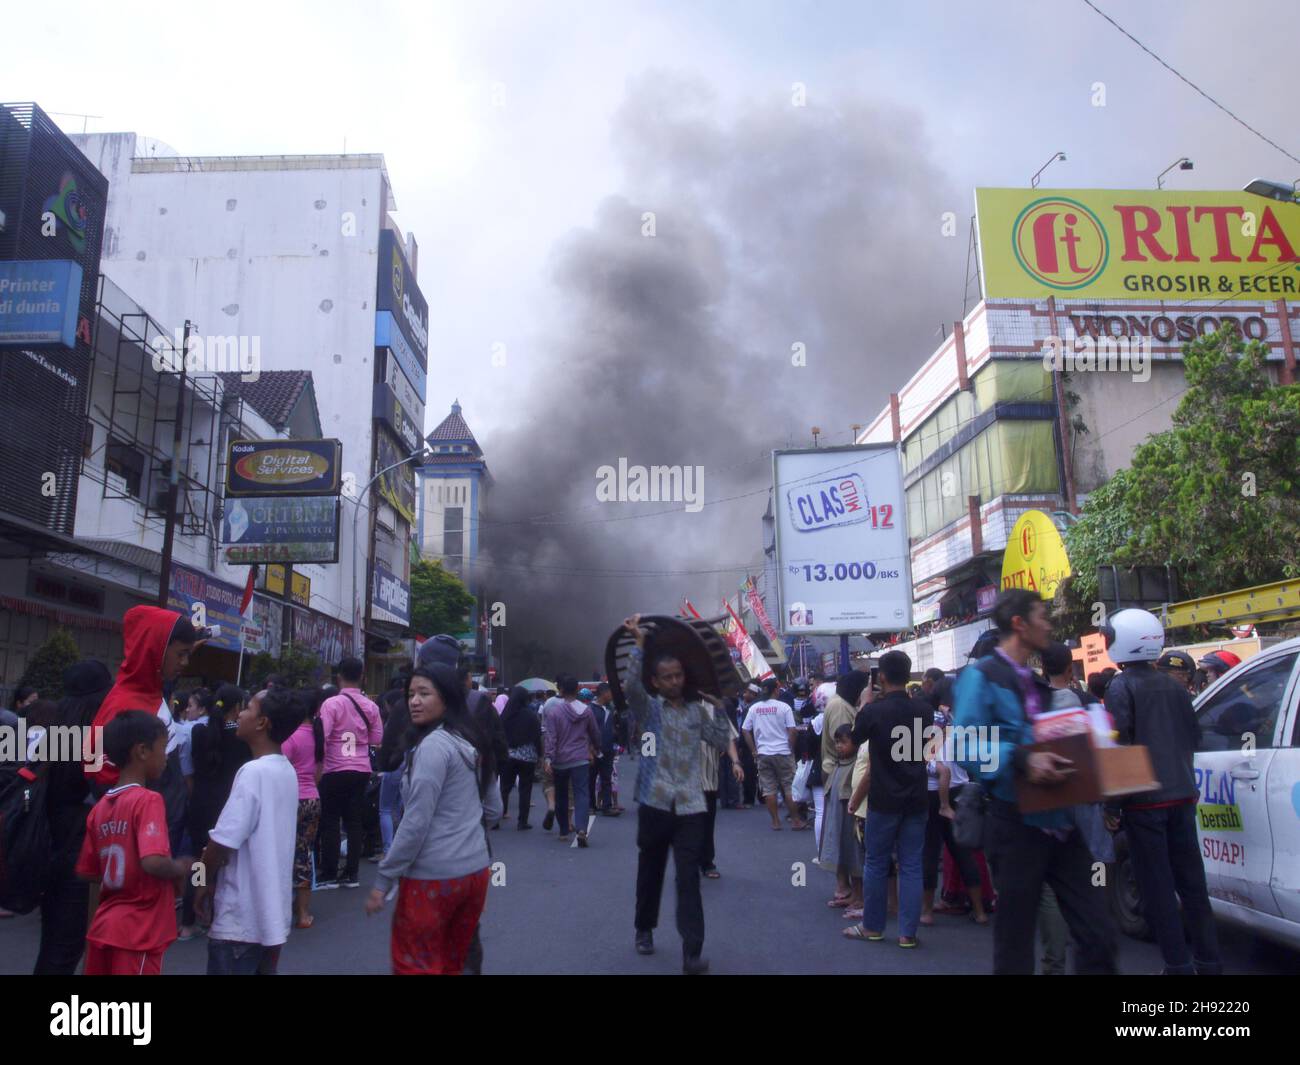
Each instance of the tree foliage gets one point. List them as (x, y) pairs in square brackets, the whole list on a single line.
[(439, 600), (45, 670), (295, 667), (1216, 496)]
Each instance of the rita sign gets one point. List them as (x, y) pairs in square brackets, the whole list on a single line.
[(283, 467), (1035, 557), (1116, 244)]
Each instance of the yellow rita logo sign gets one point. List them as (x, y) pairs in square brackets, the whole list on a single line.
[(1137, 244), (1035, 557)]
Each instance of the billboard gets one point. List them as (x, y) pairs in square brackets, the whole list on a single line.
[(283, 467), (843, 564), (1122, 244), (274, 583), (400, 384), (400, 296), (389, 410), (280, 529), (389, 337), (39, 303), (390, 596), (397, 486), (1035, 557), (327, 638)]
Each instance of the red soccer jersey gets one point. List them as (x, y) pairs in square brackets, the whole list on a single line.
[(136, 911)]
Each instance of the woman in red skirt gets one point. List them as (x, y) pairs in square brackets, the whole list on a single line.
[(439, 854)]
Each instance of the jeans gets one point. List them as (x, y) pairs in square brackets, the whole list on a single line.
[(390, 805), (227, 957), (707, 853), (600, 788), (577, 777), (657, 832), (883, 833), (1053, 934), (938, 833), (523, 772), (342, 797), (1022, 858), (1168, 866)]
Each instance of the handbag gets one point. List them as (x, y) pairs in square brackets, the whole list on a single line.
[(970, 811)]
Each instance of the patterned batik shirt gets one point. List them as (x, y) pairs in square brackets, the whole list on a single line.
[(670, 775)]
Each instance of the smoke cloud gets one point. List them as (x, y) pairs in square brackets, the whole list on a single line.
[(773, 225)]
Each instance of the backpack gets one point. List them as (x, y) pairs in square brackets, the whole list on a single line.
[(25, 840)]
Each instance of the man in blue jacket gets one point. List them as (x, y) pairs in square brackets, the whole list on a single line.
[(996, 700)]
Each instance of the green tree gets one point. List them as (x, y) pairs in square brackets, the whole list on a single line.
[(1216, 495), (45, 670), (439, 600), (295, 667)]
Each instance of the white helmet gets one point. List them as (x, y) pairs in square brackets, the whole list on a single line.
[(1134, 636)]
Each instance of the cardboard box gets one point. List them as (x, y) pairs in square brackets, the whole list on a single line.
[(1100, 773)]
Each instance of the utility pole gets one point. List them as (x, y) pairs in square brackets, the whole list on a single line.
[(169, 529)]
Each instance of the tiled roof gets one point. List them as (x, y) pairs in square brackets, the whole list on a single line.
[(451, 458), (452, 429), (273, 395)]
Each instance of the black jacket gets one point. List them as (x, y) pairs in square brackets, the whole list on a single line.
[(1153, 709)]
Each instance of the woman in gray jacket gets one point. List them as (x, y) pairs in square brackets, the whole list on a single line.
[(439, 854)]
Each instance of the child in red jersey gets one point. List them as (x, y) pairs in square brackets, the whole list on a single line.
[(127, 856)]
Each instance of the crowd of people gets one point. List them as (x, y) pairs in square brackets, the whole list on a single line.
[(234, 806)]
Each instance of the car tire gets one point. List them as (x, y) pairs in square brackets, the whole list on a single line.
[(1122, 890)]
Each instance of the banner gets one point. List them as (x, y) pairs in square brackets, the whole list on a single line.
[(220, 604), (1121, 244), (397, 486), (390, 596), (760, 612), (277, 529), (283, 467), (745, 651), (327, 638), (389, 410), (843, 562), (39, 303)]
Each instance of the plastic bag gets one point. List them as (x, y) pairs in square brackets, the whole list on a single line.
[(800, 791)]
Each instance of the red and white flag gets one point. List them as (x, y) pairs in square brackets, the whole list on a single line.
[(689, 611), (248, 591), (733, 631), (756, 605)]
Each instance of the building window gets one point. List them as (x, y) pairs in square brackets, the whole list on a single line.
[(127, 463), (453, 536)]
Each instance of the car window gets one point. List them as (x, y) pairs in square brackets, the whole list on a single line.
[(1247, 706)]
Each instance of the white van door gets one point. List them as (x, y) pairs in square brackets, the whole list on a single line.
[(1284, 812), (1240, 722)]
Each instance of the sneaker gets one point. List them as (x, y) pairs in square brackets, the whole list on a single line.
[(694, 965), (351, 883), (523, 826), (325, 885), (375, 858), (548, 820), (645, 943), (582, 839), (188, 932)]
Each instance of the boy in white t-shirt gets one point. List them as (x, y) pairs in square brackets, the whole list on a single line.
[(769, 730), (250, 849)]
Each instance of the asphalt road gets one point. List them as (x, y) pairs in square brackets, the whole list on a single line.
[(566, 910)]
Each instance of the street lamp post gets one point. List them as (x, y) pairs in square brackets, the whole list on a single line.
[(357, 642), (1033, 181), (1183, 164)]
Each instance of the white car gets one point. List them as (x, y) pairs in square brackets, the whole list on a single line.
[(1248, 811)]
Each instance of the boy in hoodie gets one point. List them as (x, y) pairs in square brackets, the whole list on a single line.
[(571, 733), (127, 856)]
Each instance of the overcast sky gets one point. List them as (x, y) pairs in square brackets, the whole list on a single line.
[(525, 140)]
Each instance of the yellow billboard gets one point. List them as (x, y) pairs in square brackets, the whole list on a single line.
[(1124, 244), (1035, 557)]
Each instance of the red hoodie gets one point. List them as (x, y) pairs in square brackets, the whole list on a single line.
[(146, 631)]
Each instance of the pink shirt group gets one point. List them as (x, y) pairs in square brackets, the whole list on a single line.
[(351, 729)]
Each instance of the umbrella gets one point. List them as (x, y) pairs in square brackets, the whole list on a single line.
[(536, 684)]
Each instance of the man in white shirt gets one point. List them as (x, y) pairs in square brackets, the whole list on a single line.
[(769, 730)]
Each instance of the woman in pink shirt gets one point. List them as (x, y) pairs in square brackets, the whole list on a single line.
[(305, 750)]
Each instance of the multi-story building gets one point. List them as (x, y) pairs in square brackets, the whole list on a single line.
[(987, 431), (295, 263)]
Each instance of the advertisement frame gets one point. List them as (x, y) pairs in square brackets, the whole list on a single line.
[(224, 547), (336, 462), (842, 449)]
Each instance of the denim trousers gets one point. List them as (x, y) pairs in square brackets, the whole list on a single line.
[(885, 832)]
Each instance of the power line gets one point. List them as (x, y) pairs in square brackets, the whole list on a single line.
[(1193, 85)]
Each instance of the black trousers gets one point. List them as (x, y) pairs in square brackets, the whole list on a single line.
[(342, 798), (708, 854), (523, 773), (1167, 864), (602, 770), (63, 926), (657, 832), (747, 763), (938, 831), (1022, 858)]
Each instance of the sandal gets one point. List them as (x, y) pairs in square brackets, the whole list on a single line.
[(856, 931), (839, 902), (853, 915), (712, 874), (304, 922), (984, 919)]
